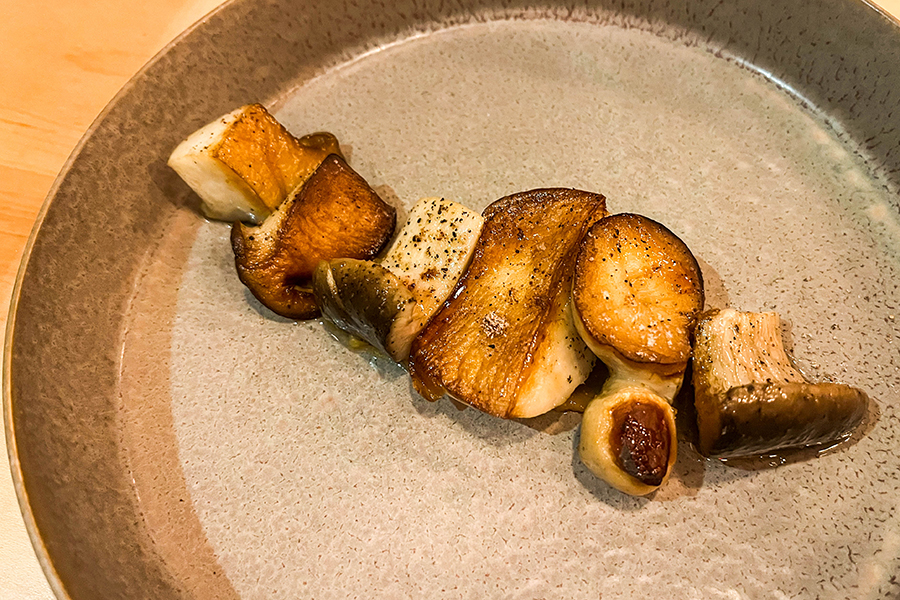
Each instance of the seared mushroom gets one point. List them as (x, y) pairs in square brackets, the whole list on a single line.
[(368, 301), (245, 164), (504, 342), (335, 214), (433, 249), (387, 304), (628, 439), (636, 292), (750, 399)]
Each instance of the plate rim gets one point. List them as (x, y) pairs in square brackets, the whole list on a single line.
[(18, 476)]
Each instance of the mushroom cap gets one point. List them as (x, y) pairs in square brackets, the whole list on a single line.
[(335, 214), (637, 289), (749, 398)]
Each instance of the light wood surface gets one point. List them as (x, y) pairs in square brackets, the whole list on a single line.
[(63, 61)]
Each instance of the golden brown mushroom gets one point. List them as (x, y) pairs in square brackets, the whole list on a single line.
[(244, 164), (636, 293), (504, 342), (335, 214)]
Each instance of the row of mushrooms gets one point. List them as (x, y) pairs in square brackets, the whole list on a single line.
[(509, 310)]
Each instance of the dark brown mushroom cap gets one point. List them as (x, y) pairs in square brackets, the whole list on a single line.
[(334, 215), (762, 418), (368, 301), (749, 398)]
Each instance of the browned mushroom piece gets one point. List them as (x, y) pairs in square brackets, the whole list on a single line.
[(636, 294), (628, 439), (368, 301), (246, 163), (386, 304), (335, 214), (504, 342), (750, 399)]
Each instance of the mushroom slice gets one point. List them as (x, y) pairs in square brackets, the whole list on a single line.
[(636, 293), (244, 164), (750, 399), (631, 442), (637, 290), (504, 342), (335, 214), (368, 301), (387, 304), (433, 249)]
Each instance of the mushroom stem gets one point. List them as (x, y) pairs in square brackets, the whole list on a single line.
[(628, 438), (750, 399), (636, 292)]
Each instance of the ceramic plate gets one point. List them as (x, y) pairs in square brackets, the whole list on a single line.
[(171, 438)]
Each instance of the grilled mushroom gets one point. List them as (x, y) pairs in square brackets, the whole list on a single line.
[(387, 304), (335, 214), (750, 399), (368, 301), (245, 164), (636, 292), (433, 249), (504, 342)]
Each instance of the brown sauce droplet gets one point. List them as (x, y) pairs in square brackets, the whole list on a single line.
[(640, 441)]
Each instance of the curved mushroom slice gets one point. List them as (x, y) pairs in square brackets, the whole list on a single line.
[(368, 301), (387, 304), (334, 215), (636, 293), (504, 342), (750, 399), (244, 164), (637, 290)]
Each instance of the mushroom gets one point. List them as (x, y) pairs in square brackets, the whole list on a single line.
[(751, 400), (335, 214), (504, 341), (244, 164), (433, 250), (368, 301), (387, 304), (636, 293)]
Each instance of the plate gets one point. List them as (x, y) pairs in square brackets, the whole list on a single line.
[(171, 438)]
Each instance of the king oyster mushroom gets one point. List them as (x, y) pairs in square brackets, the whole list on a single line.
[(244, 164), (387, 304), (335, 214), (504, 342), (750, 399), (636, 293), (369, 302)]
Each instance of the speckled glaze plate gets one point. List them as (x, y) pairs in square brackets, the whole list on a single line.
[(171, 438)]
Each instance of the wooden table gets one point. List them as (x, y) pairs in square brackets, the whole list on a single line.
[(63, 61)]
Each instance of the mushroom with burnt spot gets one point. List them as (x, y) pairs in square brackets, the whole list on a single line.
[(636, 293), (504, 342)]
